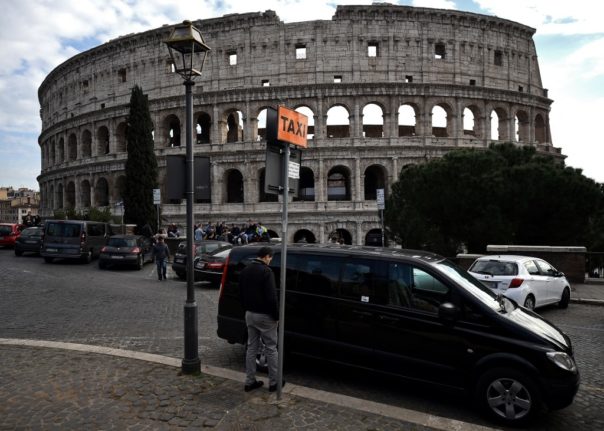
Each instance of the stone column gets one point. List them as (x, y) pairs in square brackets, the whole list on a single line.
[(358, 193), (215, 137)]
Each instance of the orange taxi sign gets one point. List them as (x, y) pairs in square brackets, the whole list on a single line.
[(292, 127)]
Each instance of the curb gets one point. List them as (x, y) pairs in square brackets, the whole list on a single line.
[(587, 301), (393, 412)]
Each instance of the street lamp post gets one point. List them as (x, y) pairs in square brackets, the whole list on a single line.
[(186, 47)]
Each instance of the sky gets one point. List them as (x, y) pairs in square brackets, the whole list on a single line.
[(38, 35)]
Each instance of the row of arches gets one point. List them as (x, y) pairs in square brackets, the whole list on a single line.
[(371, 121)]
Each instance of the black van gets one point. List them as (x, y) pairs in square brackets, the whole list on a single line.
[(73, 239), (415, 315)]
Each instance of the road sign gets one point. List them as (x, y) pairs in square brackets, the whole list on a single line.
[(156, 197), (292, 126), (380, 199), (293, 170)]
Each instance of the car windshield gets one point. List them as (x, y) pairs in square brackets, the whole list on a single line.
[(494, 267), (31, 232), (207, 247), (223, 252), (122, 242), (5, 230), (474, 287)]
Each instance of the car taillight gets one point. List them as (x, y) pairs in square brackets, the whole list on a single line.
[(83, 238), (215, 265), (136, 250), (224, 276), (104, 249), (516, 282)]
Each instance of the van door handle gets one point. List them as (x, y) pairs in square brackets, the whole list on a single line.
[(362, 313)]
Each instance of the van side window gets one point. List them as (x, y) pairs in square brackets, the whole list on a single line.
[(428, 292), (316, 274), (363, 279)]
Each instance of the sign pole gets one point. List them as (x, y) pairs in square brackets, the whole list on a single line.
[(281, 335)]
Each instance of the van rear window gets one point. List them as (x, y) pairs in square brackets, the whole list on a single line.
[(67, 230)]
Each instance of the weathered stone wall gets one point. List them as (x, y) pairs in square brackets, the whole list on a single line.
[(392, 57)]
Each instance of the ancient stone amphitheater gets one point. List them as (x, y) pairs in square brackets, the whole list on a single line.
[(384, 87)]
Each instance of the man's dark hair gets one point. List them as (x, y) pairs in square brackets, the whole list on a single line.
[(265, 251)]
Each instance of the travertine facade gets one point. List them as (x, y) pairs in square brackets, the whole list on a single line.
[(410, 65)]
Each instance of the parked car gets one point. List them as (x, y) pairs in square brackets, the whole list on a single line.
[(414, 315), (126, 250), (179, 264), (30, 240), (9, 232), (73, 239), (209, 266), (529, 281)]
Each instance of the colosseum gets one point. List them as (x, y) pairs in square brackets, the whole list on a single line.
[(383, 86)]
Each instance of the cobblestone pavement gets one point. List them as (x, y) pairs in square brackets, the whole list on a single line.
[(131, 310)]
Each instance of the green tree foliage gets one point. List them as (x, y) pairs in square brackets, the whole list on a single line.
[(504, 195), (141, 166)]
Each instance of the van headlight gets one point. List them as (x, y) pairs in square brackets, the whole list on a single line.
[(563, 360)]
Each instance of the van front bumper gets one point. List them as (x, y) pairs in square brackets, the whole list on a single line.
[(560, 392)]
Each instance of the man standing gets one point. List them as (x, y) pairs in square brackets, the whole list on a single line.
[(161, 253), (259, 299)]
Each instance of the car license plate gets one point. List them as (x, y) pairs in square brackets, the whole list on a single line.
[(491, 284), (51, 250), (117, 257)]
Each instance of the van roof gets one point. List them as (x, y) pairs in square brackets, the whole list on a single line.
[(353, 250)]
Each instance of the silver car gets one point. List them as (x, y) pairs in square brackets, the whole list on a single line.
[(529, 281)]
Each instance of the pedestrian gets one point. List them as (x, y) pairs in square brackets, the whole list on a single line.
[(161, 253), (198, 233), (259, 299)]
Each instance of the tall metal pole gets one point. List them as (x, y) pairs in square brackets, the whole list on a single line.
[(283, 270), (191, 363)]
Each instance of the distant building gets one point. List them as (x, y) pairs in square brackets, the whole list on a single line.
[(15, 204)]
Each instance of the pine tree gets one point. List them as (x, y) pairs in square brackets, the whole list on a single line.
[(141, 166)]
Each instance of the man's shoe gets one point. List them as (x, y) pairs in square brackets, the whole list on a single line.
[(257, 384), (273, 388)]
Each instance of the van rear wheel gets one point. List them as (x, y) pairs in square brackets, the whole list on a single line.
[(87, 258), (508, 395)]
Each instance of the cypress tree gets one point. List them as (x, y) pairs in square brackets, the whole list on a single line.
[(141, 166)]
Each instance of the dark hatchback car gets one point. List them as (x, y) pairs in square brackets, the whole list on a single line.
[(179, 264), (126, 250), (209, 266), (30, 241), (417, 316)]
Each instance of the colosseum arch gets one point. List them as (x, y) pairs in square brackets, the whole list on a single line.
[(102, 141), (338, 184), (72, 147), (540, 129), (375, 178), (521, 126), (101, 193), (86, 144), (118, 190), (374, 238), (307, 110), (340, 235), (338, 122), (407, 119), (260, 132), (59, 201), (85, 194), (262, 196), (231, 127), (306, 185), (373, 120), (70, 195), (442, 123), (499, 122), (171, 131), (472, 121), (305, 235), (233, 181), (203, 127), (61, 150), (121, 138)]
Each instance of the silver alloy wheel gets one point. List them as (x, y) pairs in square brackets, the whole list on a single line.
[(509, 398), (529, 302)]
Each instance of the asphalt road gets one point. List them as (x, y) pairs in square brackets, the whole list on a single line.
[(131, 309)]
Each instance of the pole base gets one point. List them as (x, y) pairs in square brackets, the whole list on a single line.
[(191, 366)]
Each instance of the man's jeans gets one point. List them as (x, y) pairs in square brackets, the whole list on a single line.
[(261, 326), (162, 265)]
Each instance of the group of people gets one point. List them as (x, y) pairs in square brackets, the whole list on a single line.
[(237, 235)]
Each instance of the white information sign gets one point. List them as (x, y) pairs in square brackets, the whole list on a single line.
[(380, 199), (156, 197), (294, 170)]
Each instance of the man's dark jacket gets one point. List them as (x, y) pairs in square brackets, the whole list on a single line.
[(257, 289)]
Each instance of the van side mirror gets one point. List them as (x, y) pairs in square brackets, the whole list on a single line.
[(448, 312)]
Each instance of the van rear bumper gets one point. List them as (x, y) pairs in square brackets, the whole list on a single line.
[(232, 330)]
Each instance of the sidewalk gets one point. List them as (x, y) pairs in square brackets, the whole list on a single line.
[(61, 386), (592, 293)]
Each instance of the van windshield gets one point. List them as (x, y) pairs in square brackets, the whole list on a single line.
[(67, 230), (471, 285)]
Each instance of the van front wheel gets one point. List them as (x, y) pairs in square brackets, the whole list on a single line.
[(508, 395)]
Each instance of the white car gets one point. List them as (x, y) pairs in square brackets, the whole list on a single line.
[(529, 281)]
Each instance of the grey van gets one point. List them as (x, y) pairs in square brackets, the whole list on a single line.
[(417, 316), (73, 239)]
